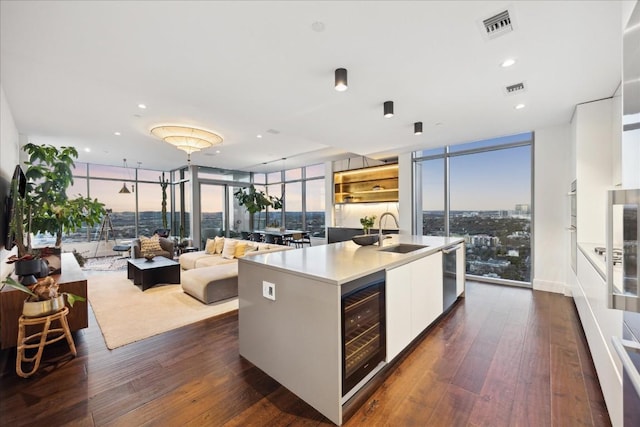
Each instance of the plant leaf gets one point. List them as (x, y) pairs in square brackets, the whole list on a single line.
[(72, 298), (19, 286)]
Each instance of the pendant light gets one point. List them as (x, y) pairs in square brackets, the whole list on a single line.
[(124, 189), (341, 79), (388, 109), (417, 128)]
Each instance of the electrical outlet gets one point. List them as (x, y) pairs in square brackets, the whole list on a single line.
[(269, 290)]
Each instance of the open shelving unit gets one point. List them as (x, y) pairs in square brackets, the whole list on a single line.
[(366, 185)]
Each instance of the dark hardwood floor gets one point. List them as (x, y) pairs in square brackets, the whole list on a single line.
[(502, 357)]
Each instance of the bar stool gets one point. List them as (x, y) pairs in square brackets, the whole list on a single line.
[(23, 343)]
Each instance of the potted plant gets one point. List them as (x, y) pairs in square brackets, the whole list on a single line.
[(43, 297), (46, 207), (367, 223), (255, 201)]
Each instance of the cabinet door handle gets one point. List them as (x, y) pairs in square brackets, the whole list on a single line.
[(450, 249)]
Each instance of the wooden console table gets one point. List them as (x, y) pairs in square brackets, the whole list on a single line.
[(71, 280)]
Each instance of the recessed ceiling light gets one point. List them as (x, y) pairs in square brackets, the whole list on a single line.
[(508, 63), (258, 136), (87, 150), (519, 106), (317, 26), (117, 133), (217, 151), (142, 106)]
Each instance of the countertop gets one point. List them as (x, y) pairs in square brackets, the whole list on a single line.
[(342, 262), (599, 264)]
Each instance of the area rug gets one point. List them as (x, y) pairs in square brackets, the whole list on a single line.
[(125, 314), (115, 263)]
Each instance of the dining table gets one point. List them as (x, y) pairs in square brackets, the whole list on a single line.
[(280, 237)]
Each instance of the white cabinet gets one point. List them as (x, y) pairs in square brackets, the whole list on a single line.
[(461, 269), (426, 292), (398, 302), (599, 324), (413, 300)]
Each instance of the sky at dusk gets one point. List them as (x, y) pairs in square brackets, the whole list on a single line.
[(492, 180)]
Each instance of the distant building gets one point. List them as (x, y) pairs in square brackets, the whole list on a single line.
[(484, 240), (522, 209)]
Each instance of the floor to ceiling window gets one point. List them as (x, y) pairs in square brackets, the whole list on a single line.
[(303, 194), (482, 191), (138, 209), (314, 200), (212, 211), (132, 198)]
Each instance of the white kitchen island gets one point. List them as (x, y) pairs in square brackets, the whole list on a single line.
[(290, 319)]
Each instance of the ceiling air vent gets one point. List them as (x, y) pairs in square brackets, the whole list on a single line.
[(498, 25), (514, 88), (273, 131)]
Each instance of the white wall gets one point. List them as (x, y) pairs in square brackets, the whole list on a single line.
[(9, 146), (552, 178), (8, 139)]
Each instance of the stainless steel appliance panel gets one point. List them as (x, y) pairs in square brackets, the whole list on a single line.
[(449, 293), (623, 281)]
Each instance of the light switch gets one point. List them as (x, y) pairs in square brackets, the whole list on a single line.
[(269, 290)]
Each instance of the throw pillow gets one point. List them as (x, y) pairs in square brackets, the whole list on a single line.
[(229, 249), (150, 245), (210, 247), (241, 249), (219, 244)]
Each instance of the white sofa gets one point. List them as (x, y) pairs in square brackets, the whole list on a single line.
[(210, 277)]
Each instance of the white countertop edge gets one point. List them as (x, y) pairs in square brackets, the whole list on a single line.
[(365, 260)]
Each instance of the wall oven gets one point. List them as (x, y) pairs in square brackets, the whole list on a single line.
[(363, 329)]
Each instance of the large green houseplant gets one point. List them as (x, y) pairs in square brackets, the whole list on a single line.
[(256, 201), (49, 174)]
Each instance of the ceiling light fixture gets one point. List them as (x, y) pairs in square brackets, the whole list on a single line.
[(142, 106), (388, 109), (117, 133), (508, 63), (519, 106), (341, 79), (417, 128), (187, 138), (124, 189)]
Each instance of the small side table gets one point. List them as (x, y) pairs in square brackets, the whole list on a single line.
[(23, 343), (190, 249)]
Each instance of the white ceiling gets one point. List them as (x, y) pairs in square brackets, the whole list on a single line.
[(74, 72)]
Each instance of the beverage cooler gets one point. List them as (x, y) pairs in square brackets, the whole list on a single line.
[(363, 331)]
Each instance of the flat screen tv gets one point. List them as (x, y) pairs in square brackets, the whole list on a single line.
[(21, 179)]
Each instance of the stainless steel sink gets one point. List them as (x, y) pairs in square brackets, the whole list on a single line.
[(402, 248)]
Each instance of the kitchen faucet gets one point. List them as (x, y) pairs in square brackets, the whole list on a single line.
[(380, 238)]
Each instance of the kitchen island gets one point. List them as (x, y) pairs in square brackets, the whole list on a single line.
[(291, 304)]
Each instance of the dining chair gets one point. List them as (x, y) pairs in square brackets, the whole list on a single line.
[(300, 239), (270, 238)]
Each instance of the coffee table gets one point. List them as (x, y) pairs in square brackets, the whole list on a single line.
[(149, 273)]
